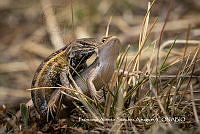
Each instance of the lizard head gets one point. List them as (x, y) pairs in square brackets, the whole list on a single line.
[(83, 49), (110, 48)]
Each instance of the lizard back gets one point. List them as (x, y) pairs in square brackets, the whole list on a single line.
[(48, 73)]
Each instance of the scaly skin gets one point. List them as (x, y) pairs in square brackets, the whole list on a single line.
[(52, 71)]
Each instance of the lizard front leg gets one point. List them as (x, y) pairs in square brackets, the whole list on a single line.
[(91, 87)]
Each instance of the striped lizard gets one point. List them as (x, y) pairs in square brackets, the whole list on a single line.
[(52, 72)]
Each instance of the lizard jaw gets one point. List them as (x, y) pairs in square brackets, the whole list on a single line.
[(109, 51)]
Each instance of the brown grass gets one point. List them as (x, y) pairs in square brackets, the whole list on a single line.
[(143, 92)]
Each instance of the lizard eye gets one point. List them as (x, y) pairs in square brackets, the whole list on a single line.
[(103, 40)]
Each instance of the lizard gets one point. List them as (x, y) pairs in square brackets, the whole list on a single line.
[(52, 71)]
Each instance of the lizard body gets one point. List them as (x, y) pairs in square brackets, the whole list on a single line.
[(52, 71)]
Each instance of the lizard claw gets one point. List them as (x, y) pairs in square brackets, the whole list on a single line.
[(50, 110), (96, 96)]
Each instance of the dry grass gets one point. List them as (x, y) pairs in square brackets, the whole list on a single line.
[(159, 94)]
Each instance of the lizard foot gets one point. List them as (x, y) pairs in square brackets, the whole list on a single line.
[(97, 96), (53, 106)]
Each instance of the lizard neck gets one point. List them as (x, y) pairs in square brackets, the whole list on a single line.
[(107, 58), (107, 66)]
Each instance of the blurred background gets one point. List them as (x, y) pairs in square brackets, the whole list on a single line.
[(25, 34)]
